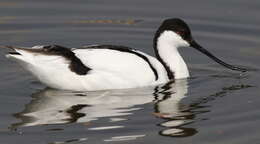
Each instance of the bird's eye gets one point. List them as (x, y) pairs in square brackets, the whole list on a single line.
[(46, 48), (181, 33)]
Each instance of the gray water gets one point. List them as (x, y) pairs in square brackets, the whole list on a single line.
[(214, 106)]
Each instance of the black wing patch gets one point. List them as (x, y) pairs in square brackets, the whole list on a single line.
[(75, 63)]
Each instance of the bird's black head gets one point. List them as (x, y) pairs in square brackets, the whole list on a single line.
[(180, 28), (176, 25)]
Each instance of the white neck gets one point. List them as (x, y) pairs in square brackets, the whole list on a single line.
[(167, 46)]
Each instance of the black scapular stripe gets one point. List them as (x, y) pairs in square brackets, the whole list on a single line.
[(170, 73), (75, 63), (128, 50)]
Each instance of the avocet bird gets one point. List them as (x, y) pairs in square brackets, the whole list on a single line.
[(102, 67)]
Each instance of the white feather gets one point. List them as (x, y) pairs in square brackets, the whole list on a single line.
[(110, 69), (115, 69), (168, 44)]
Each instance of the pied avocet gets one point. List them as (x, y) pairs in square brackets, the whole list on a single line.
[(100, 67)]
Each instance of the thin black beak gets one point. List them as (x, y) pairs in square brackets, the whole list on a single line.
[(195, 45)]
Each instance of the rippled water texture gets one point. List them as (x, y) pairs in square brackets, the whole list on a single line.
[(214, 106)]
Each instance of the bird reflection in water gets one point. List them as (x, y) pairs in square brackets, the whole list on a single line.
[(62, 107), (179, 115), (176, 114)]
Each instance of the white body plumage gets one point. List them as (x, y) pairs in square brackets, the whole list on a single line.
[(113, 67), (110, 69)]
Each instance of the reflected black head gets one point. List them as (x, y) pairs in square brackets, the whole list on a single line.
[(178, 26)]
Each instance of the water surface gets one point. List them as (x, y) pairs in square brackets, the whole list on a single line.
[(216, 105)]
